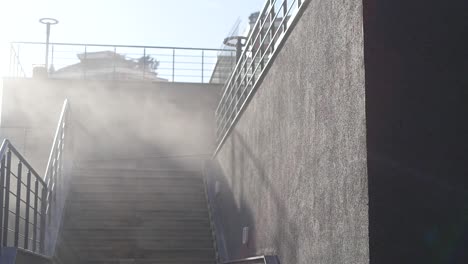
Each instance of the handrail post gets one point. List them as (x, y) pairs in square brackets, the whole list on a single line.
[(114, 61), (202, 64), (85, 64), (43, 219), (18, 203), (28, 205), (144, 62), (7, 198), (2, 181), (173, 63), (36, 212)]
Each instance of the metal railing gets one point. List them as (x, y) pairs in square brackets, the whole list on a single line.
[(15, 68), (23, 197), (56, 179), (255, 260), (32, 206), (124, 62), (268, 34)]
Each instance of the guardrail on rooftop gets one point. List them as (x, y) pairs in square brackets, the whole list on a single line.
[(269, 33), (121, 62)]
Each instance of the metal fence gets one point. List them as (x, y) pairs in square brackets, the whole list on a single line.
[(23, 199), (273, 24), (32, 206), (120, 62)]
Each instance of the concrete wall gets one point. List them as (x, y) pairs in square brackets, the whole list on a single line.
[(294, 168), (110, 119), (417, 135)]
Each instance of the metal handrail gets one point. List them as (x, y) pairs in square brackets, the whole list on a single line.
[(40, 196), (54, 176), (60, 128), (35, 186), (267, 35), (266, 259), (128, 62), (16, 68)]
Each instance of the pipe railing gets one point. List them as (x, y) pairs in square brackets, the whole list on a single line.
[(32, 205), (266, 37), (127, 62), (266, 259), (15, 68), (23, 198)]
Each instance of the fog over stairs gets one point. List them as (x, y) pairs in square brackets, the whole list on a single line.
[(138, 211)]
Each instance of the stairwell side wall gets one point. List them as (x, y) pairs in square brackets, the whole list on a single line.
[(293, 170)]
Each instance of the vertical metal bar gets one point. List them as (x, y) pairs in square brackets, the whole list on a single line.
[(202, 64), (272, 26), (52, 59), (7, 199), (47, 48), (2, 186), (28, 205), (144, 62), (285, 13), (17, 61), (114, 60), (18, 203), (43, 219), (173, 63), (85, 61), (11, 61), (36, 204)]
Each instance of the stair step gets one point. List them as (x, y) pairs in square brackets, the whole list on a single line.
[(132, 253), (118, 216)]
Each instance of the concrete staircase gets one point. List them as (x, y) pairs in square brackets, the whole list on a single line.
[(127, 215)]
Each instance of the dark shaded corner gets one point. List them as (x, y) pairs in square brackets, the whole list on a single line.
[(416, 63)]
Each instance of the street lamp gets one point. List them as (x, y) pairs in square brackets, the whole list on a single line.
[(48, 21), (235, 41)]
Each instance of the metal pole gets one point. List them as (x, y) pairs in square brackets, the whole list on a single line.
[(115, 54), (85, 60), (144, 62), (173, 63), (47, 48), (202, 63), (238, 49), (11, 61), (17, 61), (2, 181), (48, 22)]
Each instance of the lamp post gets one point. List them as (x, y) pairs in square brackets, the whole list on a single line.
[(48, 22), (235, 41)]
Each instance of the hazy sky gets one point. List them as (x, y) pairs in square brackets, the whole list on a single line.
[(182, 23)]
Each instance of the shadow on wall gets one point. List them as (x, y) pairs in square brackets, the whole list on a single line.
[(232, 212), (422, 220)]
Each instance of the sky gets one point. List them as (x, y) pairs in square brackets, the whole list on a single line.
[(180, 23)]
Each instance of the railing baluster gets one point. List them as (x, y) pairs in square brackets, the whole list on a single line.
[(202, 64), (85, 62), (7, 199), (43, 219), (144, 62), (2, 193), (28, 205), (18, 203), (173, 64), (36, 204)]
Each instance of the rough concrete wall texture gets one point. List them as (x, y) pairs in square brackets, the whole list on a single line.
[(296, 160), (111, 119)]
